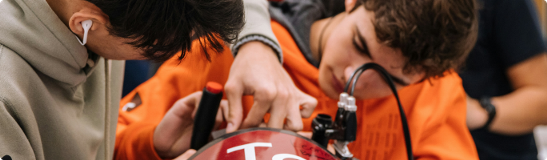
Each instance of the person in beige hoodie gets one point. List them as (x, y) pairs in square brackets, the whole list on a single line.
[(58, 96)]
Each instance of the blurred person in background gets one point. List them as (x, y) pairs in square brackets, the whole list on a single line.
[(505, 78), (540, 132)]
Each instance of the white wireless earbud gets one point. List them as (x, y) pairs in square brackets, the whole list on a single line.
[(86, 25)]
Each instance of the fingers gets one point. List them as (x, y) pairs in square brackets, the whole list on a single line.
[(186, 155), (235, 109), (308, 104), (290, 111), (222, 112), (180, 108), (192, 101), (174, 125), (305, 134), (294, 120), (285, 109), (256, 114), (262, 101), (280, 107), (331, 149)]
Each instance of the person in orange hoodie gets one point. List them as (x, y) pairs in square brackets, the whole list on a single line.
[(419, 43)]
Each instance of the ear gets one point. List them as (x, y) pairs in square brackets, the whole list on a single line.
[(75, 22), (350, 4)]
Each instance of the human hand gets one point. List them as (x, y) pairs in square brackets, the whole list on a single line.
[(186, 155), (256, 71), (173, 135), (476, 115), (306, 134)]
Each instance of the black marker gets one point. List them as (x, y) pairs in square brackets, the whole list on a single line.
[(206, 114)]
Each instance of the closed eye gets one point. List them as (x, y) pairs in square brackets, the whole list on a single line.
[(360, 43)]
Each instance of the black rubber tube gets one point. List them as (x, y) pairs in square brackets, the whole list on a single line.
[(389, 81), (204, 120)]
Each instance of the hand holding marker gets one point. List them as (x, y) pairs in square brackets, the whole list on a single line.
[(204, 120)]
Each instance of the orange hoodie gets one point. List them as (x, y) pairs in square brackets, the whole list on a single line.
[(435, 109)]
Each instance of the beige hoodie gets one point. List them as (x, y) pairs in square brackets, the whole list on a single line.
[(57, 101)]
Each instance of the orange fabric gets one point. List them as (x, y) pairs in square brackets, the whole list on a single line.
[(174, 80), (435, 109)]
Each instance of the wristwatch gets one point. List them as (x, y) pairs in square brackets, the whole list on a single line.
[(490, 109)]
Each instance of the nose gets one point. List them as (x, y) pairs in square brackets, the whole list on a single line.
[(348, 72)]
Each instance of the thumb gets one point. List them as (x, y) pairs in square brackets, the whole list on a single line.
[(308, 104)]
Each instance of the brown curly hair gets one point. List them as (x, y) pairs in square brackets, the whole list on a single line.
[(433, 35)]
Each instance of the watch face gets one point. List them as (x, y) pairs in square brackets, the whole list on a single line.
[(262, 144), (489, 108)]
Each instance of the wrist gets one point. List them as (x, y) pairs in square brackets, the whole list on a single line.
[(476, 115), (257, 49), (257, 40), (490, 109), (482, 116)]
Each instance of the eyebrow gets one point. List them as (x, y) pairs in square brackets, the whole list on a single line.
[(364, 49)]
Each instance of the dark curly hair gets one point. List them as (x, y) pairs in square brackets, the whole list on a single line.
[(164, 27), (433, 35)]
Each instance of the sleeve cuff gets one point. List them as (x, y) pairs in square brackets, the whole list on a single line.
[(259, 38)]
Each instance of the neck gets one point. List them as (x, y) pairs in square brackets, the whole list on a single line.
[(320, 32)]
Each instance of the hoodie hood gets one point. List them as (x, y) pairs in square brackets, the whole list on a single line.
[(35, 32)]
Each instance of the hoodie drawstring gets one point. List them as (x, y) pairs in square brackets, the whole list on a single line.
[(108, 72)]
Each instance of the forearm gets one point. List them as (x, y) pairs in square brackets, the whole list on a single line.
[(257, 28), (257, 19), (520, 111)]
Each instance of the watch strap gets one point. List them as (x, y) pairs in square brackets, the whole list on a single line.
[(486, 103)]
